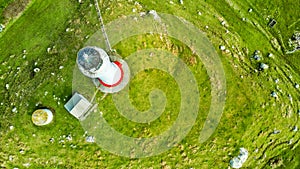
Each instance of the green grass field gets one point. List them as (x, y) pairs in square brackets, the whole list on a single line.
[(249, 118)]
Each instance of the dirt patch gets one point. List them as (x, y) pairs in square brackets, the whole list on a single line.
[(14, 9)]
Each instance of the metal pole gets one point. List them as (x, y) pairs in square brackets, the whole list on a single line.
[(102, 27)]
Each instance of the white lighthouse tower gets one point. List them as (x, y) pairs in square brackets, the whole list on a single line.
[(109, 76)]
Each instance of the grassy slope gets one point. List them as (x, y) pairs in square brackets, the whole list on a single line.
[(244, 122)]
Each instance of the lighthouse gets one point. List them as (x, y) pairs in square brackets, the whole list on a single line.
[(109, 76)]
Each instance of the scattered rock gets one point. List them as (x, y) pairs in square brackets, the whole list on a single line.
[(10, 158), (290, 97), (26, 165), (90, 139), (276, 80), (276, 131), (1, 27), (297, 86), (199, 13), (73, 146), (14, 110), (22, 151), (222, 48), (11, 127), (257, 57), (295, 129), (36, 69), (61, 67), (69, 137), (155, 15), (250, 10), (51, 140), (142, 14), (181, 2), (270, 55), (237, 162), (263, 66), (7, 86)]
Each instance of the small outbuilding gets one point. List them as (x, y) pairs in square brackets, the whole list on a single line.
[(78, 106)]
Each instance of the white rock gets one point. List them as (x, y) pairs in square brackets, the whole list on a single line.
[(11, 158), (237, 162), (276, 131), (270, 55), (206, 27), (133, 10), (48, 50), (7, 86), (142, 14), (24, 57), (24, 51), (222, 48), (250, 10), (297, 86), (90, 139), (263, 66), (295, 129), (26, 165), (61, 67), (69, 137), (181, 2), (68, 29), (51, 140), (11, 127), (36, 69), (155, 15), (14, 110), (199, 13), (223, 23)]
